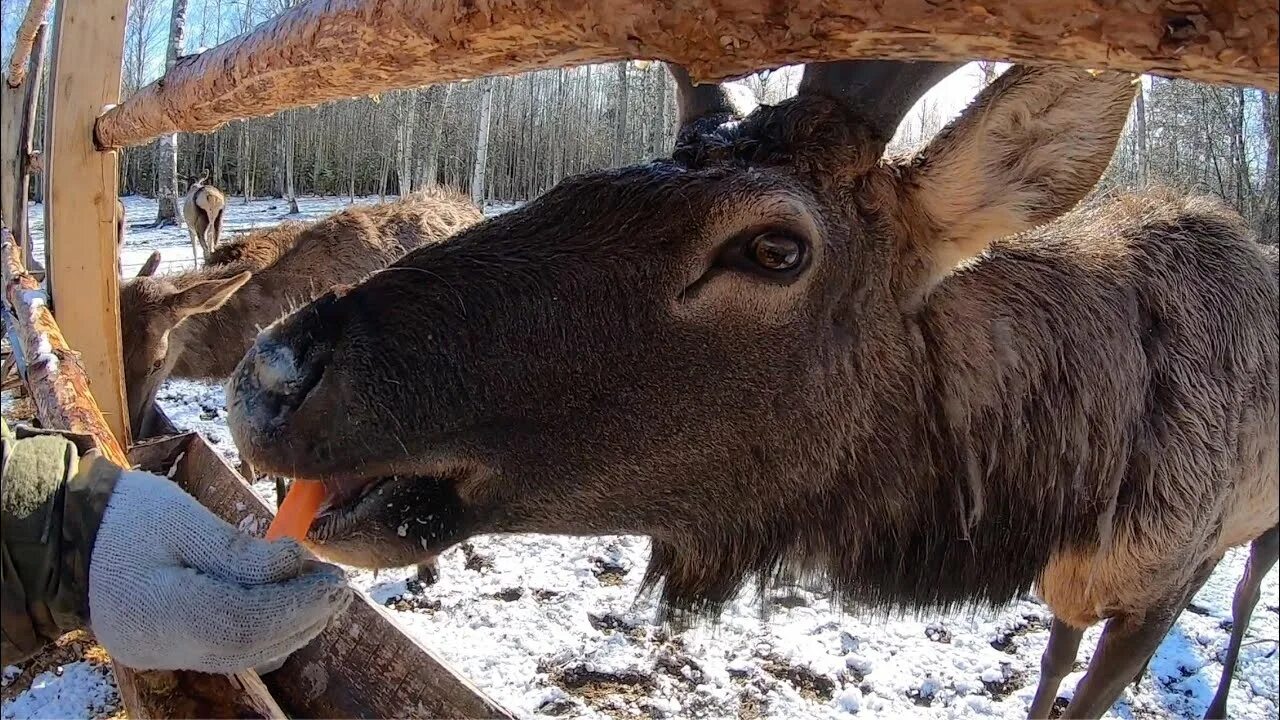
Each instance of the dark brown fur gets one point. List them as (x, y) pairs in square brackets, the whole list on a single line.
[(198, 324), (924, 414)]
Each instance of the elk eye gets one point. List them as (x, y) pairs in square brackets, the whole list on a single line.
[(155, 366), (775, 252)]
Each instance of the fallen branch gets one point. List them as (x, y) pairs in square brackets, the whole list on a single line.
[(331, 49), (60, 390)]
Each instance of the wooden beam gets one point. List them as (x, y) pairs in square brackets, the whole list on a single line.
[(60, 388), (37, 11), (330, 49), (362, 665), (55, 375), (80, 195), (17, 129)]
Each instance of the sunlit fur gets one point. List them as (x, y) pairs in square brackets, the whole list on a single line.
[(972, 387)]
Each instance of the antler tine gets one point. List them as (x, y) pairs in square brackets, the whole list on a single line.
[(695, 102), (879, 91)]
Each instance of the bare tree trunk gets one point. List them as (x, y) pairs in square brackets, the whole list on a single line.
[(559, 141), (1244, 191), (439, 95), (384, 171), (620, 129), (1269, 223), (286, 146), (405, 127), (1140, 123), (243, 161), (482, 144), (317, 161), (351, 167), (167, 145), (988, 70)]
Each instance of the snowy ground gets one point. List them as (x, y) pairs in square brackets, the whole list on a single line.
[(551, 626)]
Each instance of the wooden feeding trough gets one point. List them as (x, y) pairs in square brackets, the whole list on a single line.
[(362, 665)]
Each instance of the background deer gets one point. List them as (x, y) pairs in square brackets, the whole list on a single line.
[(927, 380), (197, 324), (202, 209)]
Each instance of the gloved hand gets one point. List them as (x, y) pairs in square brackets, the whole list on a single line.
[(173, 586)]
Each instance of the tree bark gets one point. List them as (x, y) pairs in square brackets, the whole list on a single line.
[(620, 120), (1140, 125), (1269, 224), (24, 40), (439, 95), (406, 127), (331, 49), (482, 144), (287, 147), (20, 105), (167, 147)]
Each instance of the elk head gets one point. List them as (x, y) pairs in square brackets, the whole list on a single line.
[(151, 309), (710, 349)]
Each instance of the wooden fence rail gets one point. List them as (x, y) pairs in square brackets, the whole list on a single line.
[(331, 49)]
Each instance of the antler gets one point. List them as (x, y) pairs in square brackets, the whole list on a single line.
[(879, 91), (694, 102)]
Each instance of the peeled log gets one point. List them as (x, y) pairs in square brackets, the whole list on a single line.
[(331, 49), (24, 40), (60, 389)]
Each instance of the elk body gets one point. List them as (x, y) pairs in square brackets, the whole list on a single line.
[(197, 324), (928, 380), (202, 209)]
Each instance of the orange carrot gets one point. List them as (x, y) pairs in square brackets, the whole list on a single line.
[(298, 510)]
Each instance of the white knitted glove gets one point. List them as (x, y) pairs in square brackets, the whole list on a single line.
[(174, 587)]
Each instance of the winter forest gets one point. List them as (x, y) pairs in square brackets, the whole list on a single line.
[(509, 139)]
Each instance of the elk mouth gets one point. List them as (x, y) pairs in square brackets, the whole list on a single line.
[(392, 520)]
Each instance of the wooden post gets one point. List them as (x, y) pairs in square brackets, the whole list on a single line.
[(80, 196), (60, 389), (17, 128)]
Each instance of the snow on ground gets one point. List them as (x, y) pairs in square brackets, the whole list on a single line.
[(552, 626), (78, 689)]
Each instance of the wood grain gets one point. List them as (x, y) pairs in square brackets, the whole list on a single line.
[(331, 49), (80, 196)]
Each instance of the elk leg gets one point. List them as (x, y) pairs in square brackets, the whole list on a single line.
[(195, 246), (1126, 646), (1192, 589), (1262, 557), (1058, 659)]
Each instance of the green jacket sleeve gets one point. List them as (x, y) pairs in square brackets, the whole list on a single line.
[(53, 495)]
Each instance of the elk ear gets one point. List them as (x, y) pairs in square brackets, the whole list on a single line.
[(149, 267), (205, 296), (1029, 148), (697, 102)]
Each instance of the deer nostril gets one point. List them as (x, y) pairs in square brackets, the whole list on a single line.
[(274, 368)]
